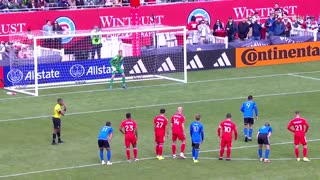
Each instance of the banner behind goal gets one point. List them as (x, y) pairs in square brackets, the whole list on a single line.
[(78, 58)]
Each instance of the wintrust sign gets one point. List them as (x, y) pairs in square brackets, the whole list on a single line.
[(113, 21), (12, 28)]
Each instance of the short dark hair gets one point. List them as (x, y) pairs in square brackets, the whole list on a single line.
[(250, 97), (297, 112), (197, 117), (48, 20), (228, 115), (267, 124), (59, 100), (108, 123), (162, 111), (128, 115)]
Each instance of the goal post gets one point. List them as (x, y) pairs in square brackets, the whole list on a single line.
[(150, 53)]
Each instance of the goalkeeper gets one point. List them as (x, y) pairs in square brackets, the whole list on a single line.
[(116, 64)]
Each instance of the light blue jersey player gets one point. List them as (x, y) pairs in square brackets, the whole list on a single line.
[(197, 136), (248, 108), (104, 139)]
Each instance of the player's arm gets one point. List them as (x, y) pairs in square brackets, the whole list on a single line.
[(167, 130), (235, 131), (110, 137), (202, 134), (61, 112), (307, 126), (190, 130), (219, 131), (183, 129), (290, 127), (242, 107), (64, 107), (136, 132), (121, 129), (255, 108)]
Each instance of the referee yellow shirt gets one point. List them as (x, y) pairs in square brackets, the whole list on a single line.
[(56, 111)]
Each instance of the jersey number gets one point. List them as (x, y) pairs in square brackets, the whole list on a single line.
[(227, 129), (248, 105), (105, 129), (176, 121), (159, 124), (195, 128), (298, 127), (128, 127)]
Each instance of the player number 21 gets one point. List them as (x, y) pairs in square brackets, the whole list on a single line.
[(159, 124), (298, 127), (129, 127)]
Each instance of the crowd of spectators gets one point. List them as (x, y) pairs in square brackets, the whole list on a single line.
[(253, 27)]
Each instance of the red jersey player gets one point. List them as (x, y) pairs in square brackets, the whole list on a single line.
[(129, 128), (177, 124), (300, 128), (160, 131), (227, 127)]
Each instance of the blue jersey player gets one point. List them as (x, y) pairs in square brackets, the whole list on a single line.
[(104, 139), (197, 136), (248, 108), (263, 138)]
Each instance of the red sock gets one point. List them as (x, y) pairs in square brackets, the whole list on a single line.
[(135, 153), (296, 150), (183, 147), (128, 153), (157, 149), (173, 147), (305, 152), (221, 151), (160, 149), (228, 152)]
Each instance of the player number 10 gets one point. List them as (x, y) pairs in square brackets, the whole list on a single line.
[(227, 129)]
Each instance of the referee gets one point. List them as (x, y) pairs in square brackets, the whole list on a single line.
[(57, 113), (263, 136)]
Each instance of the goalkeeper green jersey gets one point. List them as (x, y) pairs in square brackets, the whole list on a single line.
[(116, 61)]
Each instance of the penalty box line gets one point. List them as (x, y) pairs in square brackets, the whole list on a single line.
[(149, 158)]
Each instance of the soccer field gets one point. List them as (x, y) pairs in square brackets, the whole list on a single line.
[(26, 127)]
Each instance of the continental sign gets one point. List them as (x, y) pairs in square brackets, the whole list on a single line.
[(278, 54)]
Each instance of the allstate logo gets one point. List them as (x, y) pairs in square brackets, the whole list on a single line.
[(68, 27), (77, 70), (200, 14), (14, 75)]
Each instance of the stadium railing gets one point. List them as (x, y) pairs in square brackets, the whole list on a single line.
[(305, 32)]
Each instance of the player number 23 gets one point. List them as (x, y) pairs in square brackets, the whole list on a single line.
[(129, 127)]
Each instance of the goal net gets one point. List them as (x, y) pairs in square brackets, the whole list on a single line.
[(83, 57)]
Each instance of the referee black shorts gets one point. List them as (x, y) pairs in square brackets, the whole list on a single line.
[(249, 121), (263, 139), (56, 123), (103, 143)]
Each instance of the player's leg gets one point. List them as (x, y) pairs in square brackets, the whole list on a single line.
[(303, 141), (245, 129), (55, 130), (99, 52), (193, 150), (222, 146), (260, 145), (123, 80), (266, 154), (250, 129), (182, 138), (160, 143), (173, 146), (101, 146), (114, 71), (127, 145), (108, 148), (135, 149), (59, 132), (229, 145), (296, 148), (196, 152)]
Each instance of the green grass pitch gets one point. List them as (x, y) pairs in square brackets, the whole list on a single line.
[(25, 126)]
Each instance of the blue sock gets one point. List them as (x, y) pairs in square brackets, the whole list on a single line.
[(267, 154), (250, 132), (260, 153), (196, 154), (101, 155), (245, 131), (193, 152), (109, 155)]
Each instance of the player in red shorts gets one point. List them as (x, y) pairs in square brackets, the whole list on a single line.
[(160, 132), (300, 128), (227, 127), (129, 128), (177, 124)]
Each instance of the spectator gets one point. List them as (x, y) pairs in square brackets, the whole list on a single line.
[(72, 4), (63, 4), (287, 27), (8, 53), (255, 17), (204, 31), (250, 28), (109, 3), (31, 5), (24, 53), (96, 43), (243, 29), (13, 5), (42, 4), (3, 4), (278, 11), (308, 23), (231, 29), (278, 27), (47, 31), (192, 25), (57, 30), (285, 16), (268, 25), (80, 3), (117, 3), (217, 26), (297, 21), (314, 23), (256, 30)]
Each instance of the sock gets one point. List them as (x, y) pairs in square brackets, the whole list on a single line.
[(109, 155), (245, 131), (123, 80), (260, 153), (135, 153), (173, 147), (296, 150), (58, 134), (111, 82), (183, 147), (266, 156), (157, 150), (305, 152), (101, 155), (160, 149), (221, 151), (250, 132), (193, 152), (196, 154), (54, 137), (228, 152), (128, 153)]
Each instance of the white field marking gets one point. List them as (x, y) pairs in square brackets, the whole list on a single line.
[(164, 104), (143, 159), (167, 84), (255, 159), (304, 77)]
